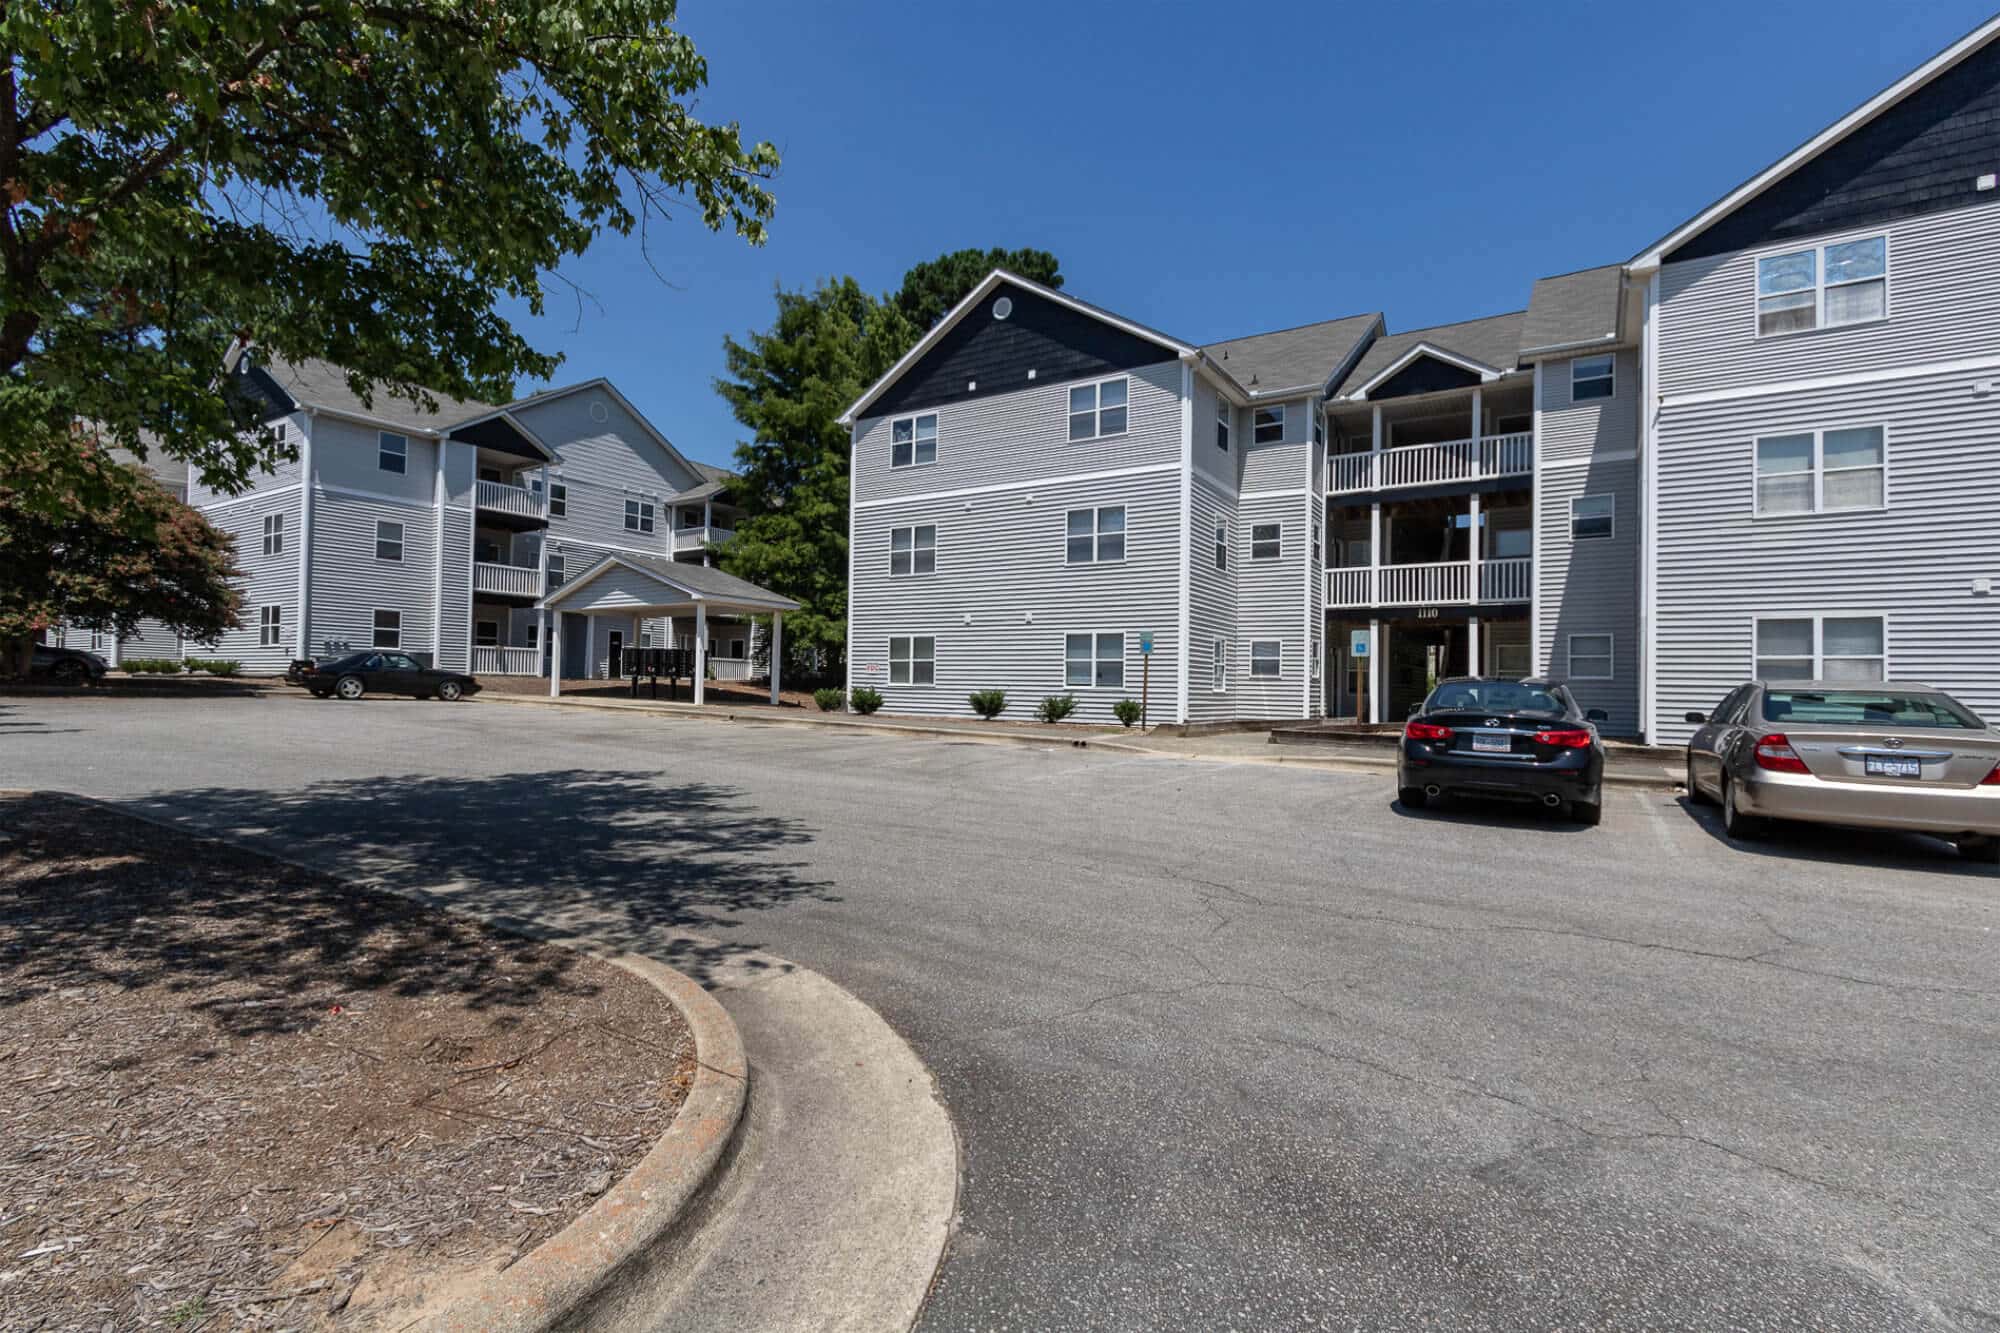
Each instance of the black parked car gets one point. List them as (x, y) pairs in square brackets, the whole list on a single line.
[(357, 674), (67, 666), (1512, 739)]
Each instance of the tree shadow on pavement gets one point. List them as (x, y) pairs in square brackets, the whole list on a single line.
[(623, 862)]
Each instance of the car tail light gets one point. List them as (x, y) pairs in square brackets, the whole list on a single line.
[(1563, 740), (1991, 779), (1426, 731), (1776, 755)]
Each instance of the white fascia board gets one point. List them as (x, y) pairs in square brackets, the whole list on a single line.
[(1650, 259), (1379, 329), (365, 419), (1487, 374)]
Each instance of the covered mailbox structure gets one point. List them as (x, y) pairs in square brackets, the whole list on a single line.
[(644, 588)]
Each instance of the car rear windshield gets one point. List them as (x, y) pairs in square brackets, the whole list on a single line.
[(1495, 696), (1866, 708)]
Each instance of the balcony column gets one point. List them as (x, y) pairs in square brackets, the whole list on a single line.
[(551, 635), (1375, 449), (700, 652), (777, 652), (1478, 420), (1472, 647), (707, 522), (1473, 552), (1374, 671), (1374, 555)]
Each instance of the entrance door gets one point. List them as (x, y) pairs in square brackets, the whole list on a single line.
[(1419, 656), (616, 667)]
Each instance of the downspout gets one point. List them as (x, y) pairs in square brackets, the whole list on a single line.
[(1185, 628)]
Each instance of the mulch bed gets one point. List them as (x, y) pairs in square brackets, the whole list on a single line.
[(238, 1095)]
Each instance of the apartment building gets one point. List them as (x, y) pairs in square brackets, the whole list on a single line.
[(439, 531), (1763, 446)]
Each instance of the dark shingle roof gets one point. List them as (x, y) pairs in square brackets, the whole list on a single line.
[(1301, 358), (1494, 341), (710, 582), (323, 384), (1573, 309)]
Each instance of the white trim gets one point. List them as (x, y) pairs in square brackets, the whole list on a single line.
[(1591, 460), (506, 415), (403, 500), (1288, 493), (1218, 656), (853, 447), (1097, 408), (998, 488), (1816, 469), (1251, 555), (1649, 511), (304, 627), (1250, 672), (401, 542), (1487, 374), (1612, 496), (1184, 622), (937, 428), (1097, 534), (1611, 375), (1649, 259), (698, 599), (973, 298), (437, 540), (1818, 248), (889, 661), (1284, 422), (210, 506), (1610, 655), (1127, 641), (1819, 619), (1535, 512), (913, 572), (1852, 379), (549, 395)]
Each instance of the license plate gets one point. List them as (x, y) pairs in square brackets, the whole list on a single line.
[(1891, 766), (1492, 744)]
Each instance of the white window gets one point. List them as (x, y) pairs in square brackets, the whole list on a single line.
[(645, 638), (1266, 541), (1221, 544), (392, 452), (534, 634), (736, 648), (1315, 659), (280, 432), (388, 629), (1096, 536), (913, 660), (1814, 471), (1097, 410), (638, 516), (555, 570), (1319, 430), (1223, 420), (1315, 544), (270, 626), (913, 550), (1218, 665), (558, 499), (1266, 657), (388, 540), (1592, 377), (1821, 648), (1822, 287), (274, 534), (1590, 657), (486, 634), (913, 441), (1592, 516), (1094, 660), (1267, 425)]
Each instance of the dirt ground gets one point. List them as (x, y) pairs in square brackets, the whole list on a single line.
[(730, 693), (237, 1095)]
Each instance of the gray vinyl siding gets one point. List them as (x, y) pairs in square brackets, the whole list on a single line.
[(454, 653), (1211, 600), (1593, 429), (1024, 436), (602, 464), (1315, 591), (1915, 562), (1004, 596), (1943, 305), (1211, 462), (282, 474), (265, 581), (149, 638), (1271, 595), (347, 456), (348, 584), (1277, 466)]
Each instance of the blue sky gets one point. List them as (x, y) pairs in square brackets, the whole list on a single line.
[(1217, 170)]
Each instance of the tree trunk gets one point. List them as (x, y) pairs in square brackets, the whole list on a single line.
[(16, 652)]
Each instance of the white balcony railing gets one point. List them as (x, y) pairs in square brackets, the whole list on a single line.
[(506, 661), (693, 539), (518, 501), (508, 580), (1432, 464), (1444, 584)]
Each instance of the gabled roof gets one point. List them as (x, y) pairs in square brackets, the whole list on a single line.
[(971, 299), (323, 385), (1488, 347), (1574, 310), (1302, 359), (1651, 257), (694, 583), (606, 386)]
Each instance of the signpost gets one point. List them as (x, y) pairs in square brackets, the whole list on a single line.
[(1357, 651), (1145, 672)]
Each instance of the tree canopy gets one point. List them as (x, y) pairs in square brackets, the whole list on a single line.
[(358, 181), (932, 288)]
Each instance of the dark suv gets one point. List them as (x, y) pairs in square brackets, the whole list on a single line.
[(1523, 740), (67, 666)]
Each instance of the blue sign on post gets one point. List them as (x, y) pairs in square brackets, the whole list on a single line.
[(1146, 643), (1357, 643)]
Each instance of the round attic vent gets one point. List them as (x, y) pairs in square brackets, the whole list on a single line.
[(598, 411), (1003, 307)]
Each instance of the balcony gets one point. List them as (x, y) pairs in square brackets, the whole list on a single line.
[(507, 506), (489, 579), (1447, 463), (487, 661), (694, 539), (1449, 583)]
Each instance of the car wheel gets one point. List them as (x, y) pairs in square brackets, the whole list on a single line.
[(1986, 850), (1734, 822), (1696, 796), (1588, 813), (451, 691), (69, 673), (1413, 798), (350, 687)]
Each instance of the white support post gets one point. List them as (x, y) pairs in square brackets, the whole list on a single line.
[(552, 635), (1375, 446), (777, 651), (1478, 419), (1375, 671), (700, 652), (1472, 664), (1374, 556), (707, 522), (1472, 552)]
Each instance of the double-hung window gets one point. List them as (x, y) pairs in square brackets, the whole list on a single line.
[(1592, 516), (1222, 544), (913, 550), (1218, 664), (1223, 418), (1823, 287), (1590, 657), (555, 571), (274, 534), (913, 441), (558, 499), (1096, 536), (1266, 541), (1592, 377), (1815, 471), (1094, 660), (1266, 657), (270, 626), (1820, 648), (388, 629), (913, 660), (638, 516), (1267, 425), (1097, 410), (388, 540), (392, 452)]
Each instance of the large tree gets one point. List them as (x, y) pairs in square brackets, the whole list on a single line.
[(788, 386), (346, 179)]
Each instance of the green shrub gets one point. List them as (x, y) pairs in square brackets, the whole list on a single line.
[(989, 704), (151, 666), (214, 666), (864, 701), (1126, 711), (1056, 707), (829, 699)]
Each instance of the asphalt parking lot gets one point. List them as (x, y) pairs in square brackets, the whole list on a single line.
[(1232, 1045)]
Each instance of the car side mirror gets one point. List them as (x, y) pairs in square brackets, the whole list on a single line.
[(1699, 719), (1596, 715)]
